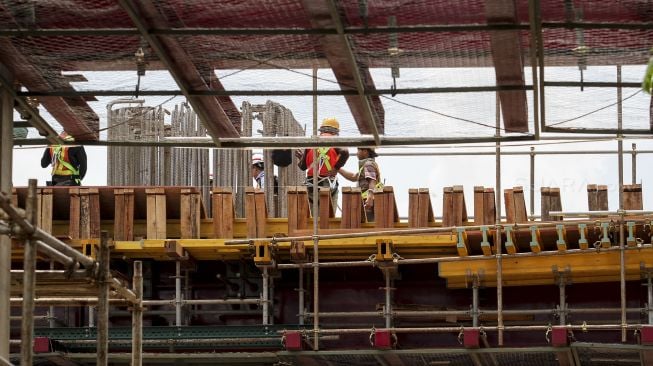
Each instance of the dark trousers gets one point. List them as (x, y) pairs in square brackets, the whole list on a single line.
[(63, 180)]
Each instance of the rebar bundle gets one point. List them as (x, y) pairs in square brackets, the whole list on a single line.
[(155, 166), (232, 167)]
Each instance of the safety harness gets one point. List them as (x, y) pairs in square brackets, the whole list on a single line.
[(60, 166)]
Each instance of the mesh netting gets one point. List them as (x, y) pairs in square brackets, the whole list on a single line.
[(428, 58)]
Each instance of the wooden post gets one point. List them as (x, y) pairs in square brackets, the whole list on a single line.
[(73, 222), (352, 208), (550, 201), (597, 197), (490, 207), (156, 213), (44, 204), (190, 213), (454, 210), (420, 210), (256, 212), (325, 207), (223, 213), (515, 205), (385, 208), (632, 195), (298, 212), (123, 222)]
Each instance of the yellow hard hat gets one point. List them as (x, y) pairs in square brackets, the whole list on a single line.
[(330, 125)]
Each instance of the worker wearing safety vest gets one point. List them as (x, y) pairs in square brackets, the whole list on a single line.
[(68, 162), (329, 161), (368, 178)]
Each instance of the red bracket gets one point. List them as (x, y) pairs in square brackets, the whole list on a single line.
[(471, 337), (646, 333), (383, 339), (42, 345), (293, 340), (559, 336)]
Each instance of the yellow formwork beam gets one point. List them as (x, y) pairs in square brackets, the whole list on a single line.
[(539, 270), (347, 248)]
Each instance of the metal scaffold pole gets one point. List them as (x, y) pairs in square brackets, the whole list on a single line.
[(316, 240), (103, 301), (137, 315), (29, 280), (6, 149)]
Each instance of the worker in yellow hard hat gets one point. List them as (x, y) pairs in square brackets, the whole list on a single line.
[(329, 159), (368, 178), (68, 162)]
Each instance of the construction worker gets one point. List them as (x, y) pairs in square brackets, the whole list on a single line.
[(330, 160), (258, 171), (368, 178), (68, 162)]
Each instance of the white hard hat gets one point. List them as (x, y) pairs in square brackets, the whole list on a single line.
[(257, 159)]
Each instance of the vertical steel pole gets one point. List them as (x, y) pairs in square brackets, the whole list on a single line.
[(178, 293), (6, 149), (532, 196), (533, 53), (620, 142), (103, 301), (316, 240), (266, 294), (301, 295), (51, 318), (388, 303), (475, 301), (498, 224), (633, 175), (563, 301), (29, 281), (649, 291), (137, 316), (622, 251)]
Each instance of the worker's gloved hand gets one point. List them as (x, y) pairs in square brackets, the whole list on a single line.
[(299, 154)]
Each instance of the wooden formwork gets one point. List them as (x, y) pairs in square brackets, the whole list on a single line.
[(454, 211), (420, 209), (352, 208)]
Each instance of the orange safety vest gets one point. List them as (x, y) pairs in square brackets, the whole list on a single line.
[(327, 159), (61, 162)]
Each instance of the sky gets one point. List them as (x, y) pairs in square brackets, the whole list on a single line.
[(433, 115)]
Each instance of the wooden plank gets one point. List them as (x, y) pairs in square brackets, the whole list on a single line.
[(413, 207), (189, 214), (325, 207), (298, 212), (459, 207), (521, 215), (223, 213), (73, 222), (45, 209), (597, 197), (632, 196), (427, 217), (156, 213), (490, 207), (550, 201), (250, 213), (447, 207), (345, 221), (261, 213), (93, 195), (385, 208), (479, 206), (357, 213), (123, 225)]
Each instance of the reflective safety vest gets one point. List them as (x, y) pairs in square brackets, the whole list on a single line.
[(61, 161), (362, 181), (327, 159)]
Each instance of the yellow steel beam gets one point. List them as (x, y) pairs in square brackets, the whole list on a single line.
[(532, 270)]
